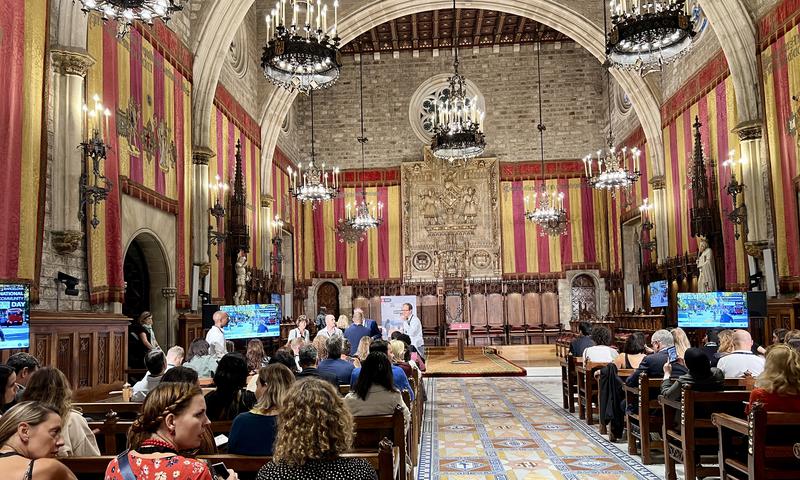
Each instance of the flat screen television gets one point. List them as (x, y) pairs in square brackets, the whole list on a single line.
[(712, 310), (659, 294), (15, 315), (252, 321)]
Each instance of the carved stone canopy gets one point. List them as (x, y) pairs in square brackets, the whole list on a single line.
[(71, 62)]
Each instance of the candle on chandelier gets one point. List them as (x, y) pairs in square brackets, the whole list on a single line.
[(295, 9), (347, 211), (319, 12), (335, 16), (107, 114), (380, 210), (283, 12), (325, 18), (309, 9), (269, 24)]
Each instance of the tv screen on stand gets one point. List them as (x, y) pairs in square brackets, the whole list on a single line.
[(252, 321), (15, 314), (659, 294), (712, 310)]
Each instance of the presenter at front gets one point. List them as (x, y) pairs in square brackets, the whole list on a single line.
[(413, 327)]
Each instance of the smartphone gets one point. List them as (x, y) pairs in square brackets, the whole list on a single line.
[(220, 470), (672, 353)]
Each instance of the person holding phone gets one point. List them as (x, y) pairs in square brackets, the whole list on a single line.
[(653, 364), (173, 419)]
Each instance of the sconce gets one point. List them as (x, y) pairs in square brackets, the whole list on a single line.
[(647, 225), (215, 238), (737, 216), (219, 190), (276, 256), (96, 190)]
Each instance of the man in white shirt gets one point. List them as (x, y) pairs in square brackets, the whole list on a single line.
[(330, 329), (216, 337), (156, 365), (412, 327), (742, 359)]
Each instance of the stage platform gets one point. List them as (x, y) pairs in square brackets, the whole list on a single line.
[(484, 362)]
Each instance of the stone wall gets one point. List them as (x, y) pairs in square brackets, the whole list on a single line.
[(676, 74), (241, 72), (573, 100)]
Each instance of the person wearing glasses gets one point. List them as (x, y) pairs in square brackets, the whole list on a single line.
[(412, 327)]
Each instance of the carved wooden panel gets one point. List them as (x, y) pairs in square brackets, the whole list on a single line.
[(533, 313), (429, 313), (64, 354), (41, 347), (102, 357), (363, 304), (120, 357), (477, 310), (515, 309), (550, 309), (375, 309), (84, 360)]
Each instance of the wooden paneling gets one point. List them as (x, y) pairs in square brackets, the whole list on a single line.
[(781, 313), (190, 326)]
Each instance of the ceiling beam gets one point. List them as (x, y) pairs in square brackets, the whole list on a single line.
[(436, 29), (456, 27), (478, 26), (414, 36), (499, 28), (376, 43), (393, 27), (520, 29)]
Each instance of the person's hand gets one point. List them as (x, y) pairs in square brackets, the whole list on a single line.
[(667, 368), (232, 475)]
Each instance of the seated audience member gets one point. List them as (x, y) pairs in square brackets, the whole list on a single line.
[(30, 436), (653, 364), (400, 378), (308, 366), (725, 345), (778, 386), (156, 366), (321, 344), (200, 359), (362, 351), (791, 335), (346, 347), (398, 351), (330, 329), (172, 420), (415, 358), (230, 397), (175, 357), (8, 387), (702, 376), (632, 352), (253, 432), (356, 332), (24, 364), (681, 341), (711, 345), (284, 356), (600, 352), (300, 330), (374, 393), (256, 357), (50, 386), (334, 365), (779, 335), (741, 360), (314, 453), (582, 341), (794, 343), (181, 375)]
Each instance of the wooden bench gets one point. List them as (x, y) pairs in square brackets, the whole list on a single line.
[(383, 460), (569, 382), (99, 410), (693, 441), (113, 433), (371, 430), (761, 447), (587, 386), (643, 416), (623, 374)]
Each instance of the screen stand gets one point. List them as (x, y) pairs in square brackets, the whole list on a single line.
[(461, 360)]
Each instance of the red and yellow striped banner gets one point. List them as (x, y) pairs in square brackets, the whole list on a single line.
[(23, 43), (289, 210)]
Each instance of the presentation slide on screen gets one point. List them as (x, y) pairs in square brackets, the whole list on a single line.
[(14, 316), (251, 321), (713, 309), (391, 308), (659, 294)]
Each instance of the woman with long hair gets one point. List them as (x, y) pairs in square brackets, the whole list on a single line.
[(778, 386), (230, 397), (633, 352), (200, 359), (314, 429), (8, 386), (681, 341), (50, 386), (400, 357), (362, 351), (725, 345), (343, 322), (253, 432), (172, 420), (30, 436), (374, 392), (256, 357)]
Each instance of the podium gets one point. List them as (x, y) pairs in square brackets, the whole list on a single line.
[(461, 327)]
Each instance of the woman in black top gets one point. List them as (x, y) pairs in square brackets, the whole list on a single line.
[(230, 398)]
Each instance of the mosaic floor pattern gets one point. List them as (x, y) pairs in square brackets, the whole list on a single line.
[(504, 429)]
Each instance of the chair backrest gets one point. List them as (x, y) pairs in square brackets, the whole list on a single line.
[(370, 430), (429, 315), (494, 310), (477, 310), (533, 314), (515, 309), (99, 410), (550, 310)]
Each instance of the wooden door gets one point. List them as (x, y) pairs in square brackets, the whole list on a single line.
[(328, 297)]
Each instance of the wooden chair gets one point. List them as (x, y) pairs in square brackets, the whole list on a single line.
[(761, 447), (370, 430), (551, 323), (645, 417), (587, 386), (569, 381), (495, 316), (693, 441), (515, 315), (112, 433)]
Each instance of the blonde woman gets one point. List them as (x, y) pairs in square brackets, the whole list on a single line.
[(30, 436), (399, 358), (778, 386), (681, 341), (314, 429), (50, 386), (253, 432), (725, 345), (343, 322), (362, 351)]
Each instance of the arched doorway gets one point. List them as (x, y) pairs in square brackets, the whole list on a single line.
[(146, 273), (328, 297), (583, 295)]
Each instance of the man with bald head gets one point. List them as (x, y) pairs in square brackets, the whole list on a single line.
[(741, 360), (330, 329), (216, 337)]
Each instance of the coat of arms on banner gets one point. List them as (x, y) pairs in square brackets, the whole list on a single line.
[(154, 141), (791, 122)]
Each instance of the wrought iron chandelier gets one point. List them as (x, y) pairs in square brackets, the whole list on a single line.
[(647, 34), (125, 12), (302, 56), (94, 186), (315, 184), (548, 205), (616, 168), (353, 228), (457, 120)]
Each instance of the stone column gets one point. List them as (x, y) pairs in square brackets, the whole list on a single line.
[(266, 232), (171, 317), (755, 192), (660, 204), (70, 66), (200, 205)]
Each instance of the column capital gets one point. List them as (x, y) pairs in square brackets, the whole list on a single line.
[(266, 200), (66, 242), (169, 292), (201, 155), (756, 249), (71, 61), (658, 183), (751, 130)]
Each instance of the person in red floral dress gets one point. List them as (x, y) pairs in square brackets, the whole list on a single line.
[(173, 419)]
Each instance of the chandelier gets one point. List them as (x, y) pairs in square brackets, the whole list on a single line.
[(353, 228), (647, 34), (315, 184), (457, 120), (94, 186), (303, 56), (125, 12), (548, 205)]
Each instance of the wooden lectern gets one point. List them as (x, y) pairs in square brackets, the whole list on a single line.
[(462, 327)]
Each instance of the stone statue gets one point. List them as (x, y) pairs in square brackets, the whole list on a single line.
[(470, 209), (240, 297), (706, 278)]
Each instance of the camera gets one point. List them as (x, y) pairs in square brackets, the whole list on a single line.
[(69, 282)]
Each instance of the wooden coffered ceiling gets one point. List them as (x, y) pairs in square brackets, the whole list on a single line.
[(428, 30)]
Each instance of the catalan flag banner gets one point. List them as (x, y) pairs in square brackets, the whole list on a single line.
[(625, 205), (288, 209), (23, 43), (227, 131), (716, 111), (527, 251), (377, 256), (148, 91), (781, 74)]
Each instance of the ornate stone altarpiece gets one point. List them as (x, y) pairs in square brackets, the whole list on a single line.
[(451, 219)]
